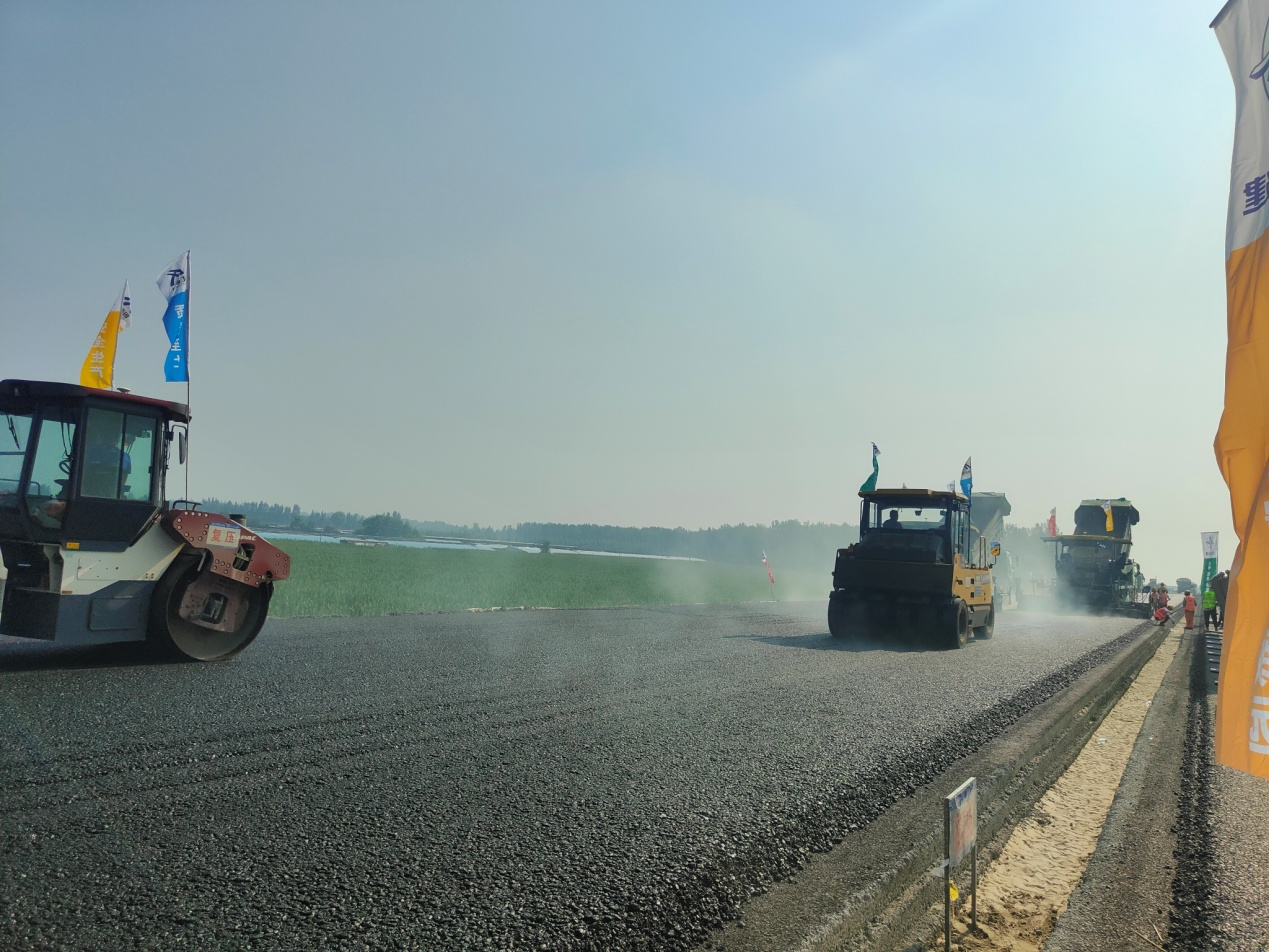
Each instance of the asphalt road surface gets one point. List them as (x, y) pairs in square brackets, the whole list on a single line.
[(610, 779)]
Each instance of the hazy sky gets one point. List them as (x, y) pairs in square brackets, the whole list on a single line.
[(641, 263)]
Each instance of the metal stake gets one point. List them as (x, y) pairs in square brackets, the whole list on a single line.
[(973, 894), (947, 875)]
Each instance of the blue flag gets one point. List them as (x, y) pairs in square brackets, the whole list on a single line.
[(174, 283), (967, 478)]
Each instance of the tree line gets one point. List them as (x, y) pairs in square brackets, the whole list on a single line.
[(801, 546), (789, 544), (288, 517)]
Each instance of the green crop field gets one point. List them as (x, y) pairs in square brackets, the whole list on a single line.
[(347, 580)]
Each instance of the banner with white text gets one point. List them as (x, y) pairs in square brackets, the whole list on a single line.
[(1242, 439)]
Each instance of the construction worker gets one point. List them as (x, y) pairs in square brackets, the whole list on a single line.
[(1209, 610), (1220, 585), (1190, 606)]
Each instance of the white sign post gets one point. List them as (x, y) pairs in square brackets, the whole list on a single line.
[(960, 838)]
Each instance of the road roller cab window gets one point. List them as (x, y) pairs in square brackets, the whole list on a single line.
[(894, 515), (20, 429), (118, 455), (117, 477), (47, 494), (901, 529)]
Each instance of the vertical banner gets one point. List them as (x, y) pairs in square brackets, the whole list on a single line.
[(99, 366), (1242, 439), (1210, 557), (174, 283)]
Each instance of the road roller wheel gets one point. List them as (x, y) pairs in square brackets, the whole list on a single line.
[(847, 618), (201, 616), (988, 628), (958, 624), (837, 619)]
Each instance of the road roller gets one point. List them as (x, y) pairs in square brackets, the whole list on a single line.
[(920, 571), (93, 551)]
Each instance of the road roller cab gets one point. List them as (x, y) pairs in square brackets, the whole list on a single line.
[(92, 550), (918, 570)]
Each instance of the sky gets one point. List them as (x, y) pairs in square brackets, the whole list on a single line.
[(649, 264)]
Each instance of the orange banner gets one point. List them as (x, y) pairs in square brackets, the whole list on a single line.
[(1242, 439), (99, 366), (1242, 704)]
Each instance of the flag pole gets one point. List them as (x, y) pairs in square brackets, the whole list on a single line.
[(189, 296)]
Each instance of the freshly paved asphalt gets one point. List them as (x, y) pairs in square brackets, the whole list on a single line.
[(618, 779)]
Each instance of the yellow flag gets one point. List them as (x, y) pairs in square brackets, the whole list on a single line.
[(1110, 518), (1242, 440), (99, 366)]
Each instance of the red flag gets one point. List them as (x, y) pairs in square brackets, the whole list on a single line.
[(1053, 521), (768, 565)]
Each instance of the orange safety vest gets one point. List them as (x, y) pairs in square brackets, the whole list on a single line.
[(1189, 603)]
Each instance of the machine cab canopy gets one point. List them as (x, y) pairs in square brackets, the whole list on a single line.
[(80, 465), (913, 525)]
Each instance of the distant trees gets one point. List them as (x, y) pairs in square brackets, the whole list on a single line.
[(790, 544), (290, 517), (388, 525), (257, 513)]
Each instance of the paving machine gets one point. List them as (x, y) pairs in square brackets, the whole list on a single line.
[(1092, 565), (919, 569), (94, 553)]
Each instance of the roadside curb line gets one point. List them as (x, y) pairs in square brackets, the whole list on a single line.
[(890, 914)]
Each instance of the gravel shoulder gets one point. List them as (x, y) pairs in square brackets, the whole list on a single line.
[(1183, 861), (1235, 839), (1126, 891), (1240, 919)]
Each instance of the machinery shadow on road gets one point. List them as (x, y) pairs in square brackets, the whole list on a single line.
[(16, 656), (823, 641)]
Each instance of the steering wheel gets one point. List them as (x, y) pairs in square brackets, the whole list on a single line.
[(65, 465)]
